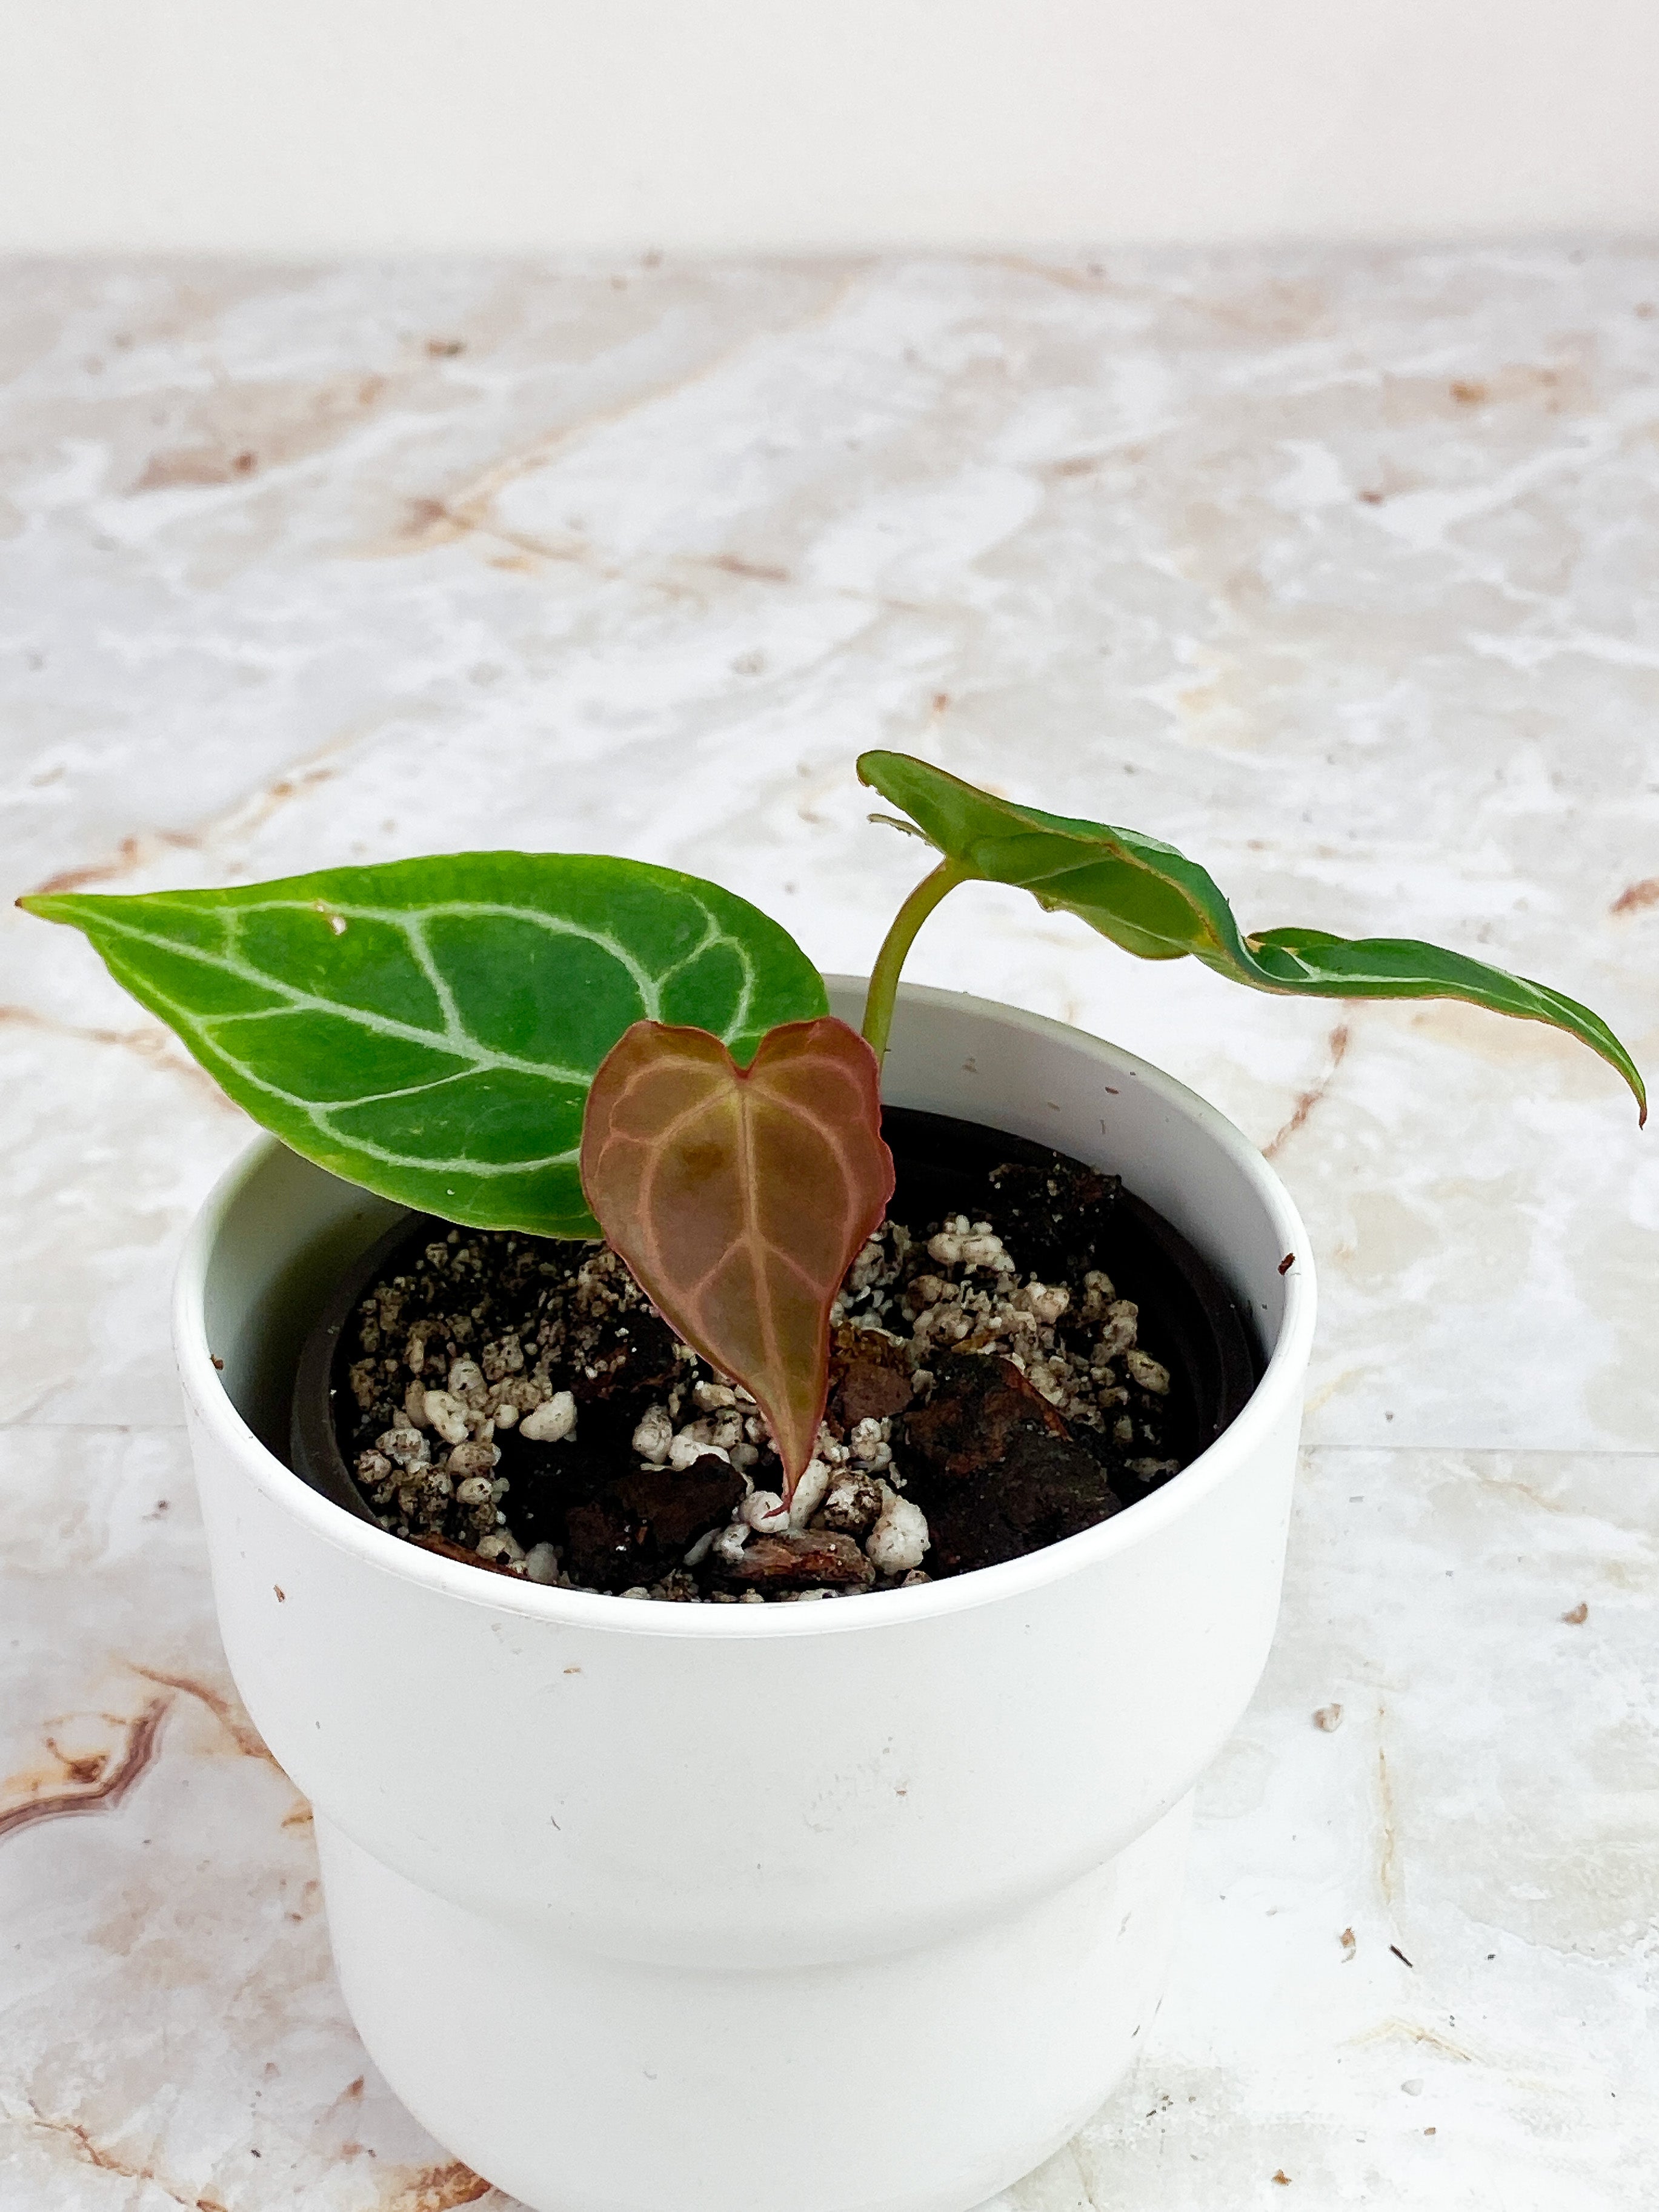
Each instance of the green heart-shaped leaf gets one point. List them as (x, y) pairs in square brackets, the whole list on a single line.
[(429, 1029), (1152, 901)]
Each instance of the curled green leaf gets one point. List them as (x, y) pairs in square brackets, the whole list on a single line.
[(1152, 901), (428, 1029)]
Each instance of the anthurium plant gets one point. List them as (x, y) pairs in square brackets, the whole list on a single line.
[(575, 1047)]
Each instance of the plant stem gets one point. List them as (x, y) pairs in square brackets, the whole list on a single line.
[(884, 975)]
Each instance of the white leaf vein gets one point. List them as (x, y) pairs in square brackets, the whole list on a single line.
[(212, 1044)]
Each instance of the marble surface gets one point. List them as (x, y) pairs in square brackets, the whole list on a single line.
[(1337, 570)]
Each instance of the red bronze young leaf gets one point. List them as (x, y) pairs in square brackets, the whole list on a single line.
[(739, 1197)]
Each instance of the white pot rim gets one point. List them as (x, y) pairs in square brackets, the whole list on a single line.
[(1274, 1395)]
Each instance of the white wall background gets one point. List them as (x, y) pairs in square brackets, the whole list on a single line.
[(286, 126)]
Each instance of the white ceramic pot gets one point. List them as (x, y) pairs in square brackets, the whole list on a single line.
[(856, 1907)]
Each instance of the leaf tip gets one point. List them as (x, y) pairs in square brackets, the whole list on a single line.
[(1632, 1075), (67, 907), (60, 906)]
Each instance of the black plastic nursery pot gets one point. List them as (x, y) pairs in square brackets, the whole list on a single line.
[(945, 1168)]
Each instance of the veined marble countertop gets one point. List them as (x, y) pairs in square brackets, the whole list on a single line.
[(1337, 571)]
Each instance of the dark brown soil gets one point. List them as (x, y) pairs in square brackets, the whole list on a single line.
[(520, 1402)]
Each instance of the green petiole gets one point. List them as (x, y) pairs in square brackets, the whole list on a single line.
[(896, 947)]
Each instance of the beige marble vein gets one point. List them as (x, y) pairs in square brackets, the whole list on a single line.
[(1337, 570)]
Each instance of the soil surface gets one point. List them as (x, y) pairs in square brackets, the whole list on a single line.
[(519, 1402)]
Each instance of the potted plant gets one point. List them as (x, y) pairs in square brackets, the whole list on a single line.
[(741, 1899)]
